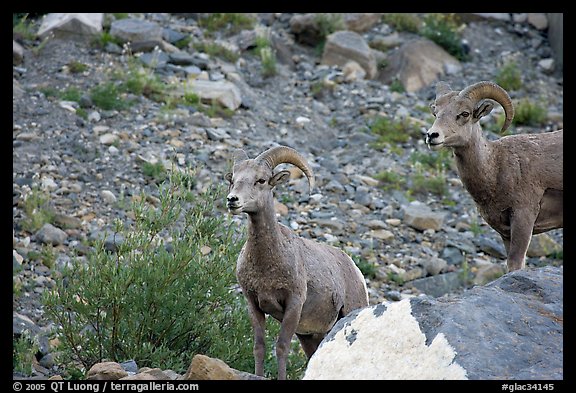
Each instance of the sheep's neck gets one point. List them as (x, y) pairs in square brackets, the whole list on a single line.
[(476, 167), (264, 236)]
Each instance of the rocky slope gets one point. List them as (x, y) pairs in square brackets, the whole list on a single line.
[(89, 160)]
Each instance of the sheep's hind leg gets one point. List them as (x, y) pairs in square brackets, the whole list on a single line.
[(310, 342), (521, 227)]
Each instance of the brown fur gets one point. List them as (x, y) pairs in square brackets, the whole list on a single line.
[(516, 181), (305, 285)]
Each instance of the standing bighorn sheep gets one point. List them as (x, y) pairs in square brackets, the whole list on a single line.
[(516, 181), (305, 285)]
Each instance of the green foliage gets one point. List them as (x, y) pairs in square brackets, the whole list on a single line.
[(228, 23), (391, 132), (329, 23), (438, 160), (141, 81), (476, 227), (36, 208), (443, 30), (509, 76), (107, 96), (431, 181), (396, 278), (104, 39), (23, 27), (49, 91), (81, 112), (216, 50), (319, 88), (77, 67), (397, 86), (367, 268), (156, 171), (529, 113), (268, 60), (166, 294), (403, 22), (390, 180), (71, 94), (24, 350)]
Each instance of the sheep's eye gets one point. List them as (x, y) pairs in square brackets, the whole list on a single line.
[(261, 181), (464, 114)]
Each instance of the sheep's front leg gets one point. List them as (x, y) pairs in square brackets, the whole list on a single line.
[(258, 321), (288, 327), (521, 227)]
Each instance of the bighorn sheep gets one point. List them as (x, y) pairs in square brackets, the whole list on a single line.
[(516, 180), (305, 285)]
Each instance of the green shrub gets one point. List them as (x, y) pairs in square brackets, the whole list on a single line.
[(37, 210), (228, 23), (141, 81), (367, 268), (390, 180), (24, 350), (107, 96), (428, 182), (509, 76), (529, 113), (216, 50), (156, 301), (23, 27), (156, 171), (439, 160), (167, 293), (77, 67), (329, 23), (403, 22), (391, 132), (443, 30), (71, 94)]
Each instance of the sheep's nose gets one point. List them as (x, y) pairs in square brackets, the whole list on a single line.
[(432, 135), (232, 198)]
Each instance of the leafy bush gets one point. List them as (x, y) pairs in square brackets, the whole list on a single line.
[(107, 96), (167, 293), (443, 30), (509, 76), (329, 23), (529, 113), (390, 180), (37, 210), (391, 132), (403, 22), (428, 182), (24, 350), (229, 23)]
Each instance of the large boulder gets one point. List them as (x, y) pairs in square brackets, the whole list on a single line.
[(511, 328), (417, 64), (344, 46), (74, 26)]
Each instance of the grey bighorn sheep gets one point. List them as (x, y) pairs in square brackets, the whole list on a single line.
[(305, 285), (516, 181)]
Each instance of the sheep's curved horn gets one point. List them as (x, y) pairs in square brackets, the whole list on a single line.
[(283, 154), (486, 89)]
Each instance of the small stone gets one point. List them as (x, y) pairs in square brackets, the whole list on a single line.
[(108, 196), (108, 139), (49, 234), (106, 371)]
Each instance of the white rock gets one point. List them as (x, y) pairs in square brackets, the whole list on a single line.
[(108, 196)]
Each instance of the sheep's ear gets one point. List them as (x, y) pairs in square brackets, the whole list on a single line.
[(482, 109), (228, 177), (279, 178)]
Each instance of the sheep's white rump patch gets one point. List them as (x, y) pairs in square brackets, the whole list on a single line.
[(390, 346)]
